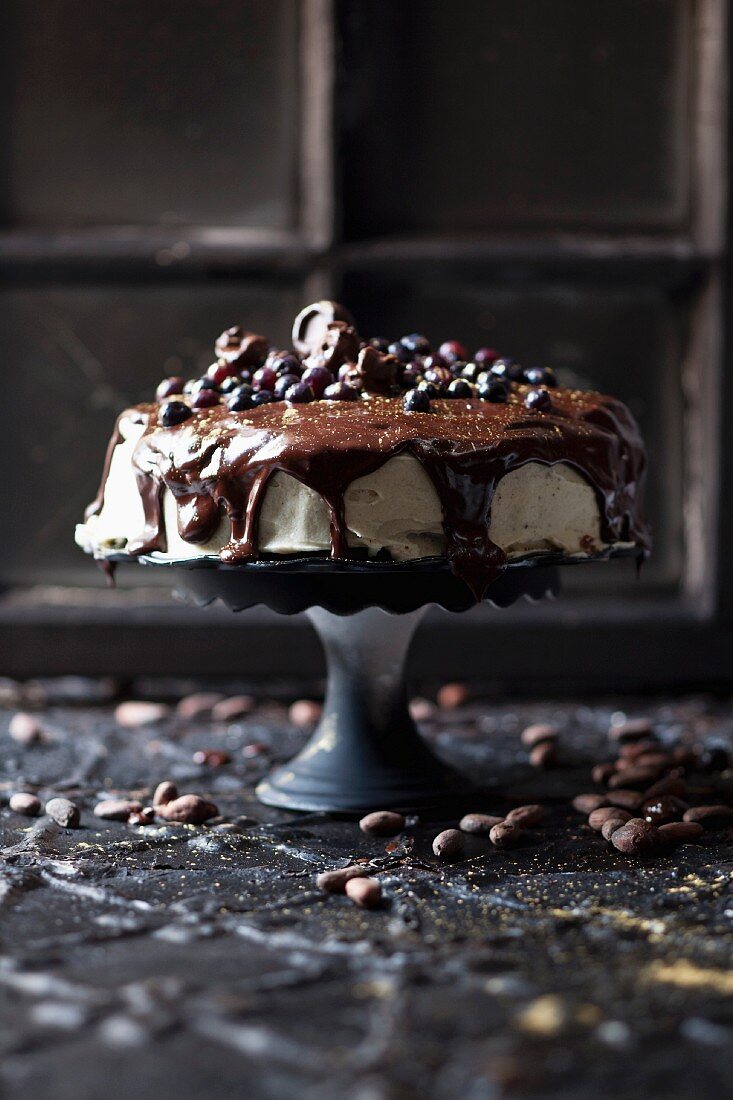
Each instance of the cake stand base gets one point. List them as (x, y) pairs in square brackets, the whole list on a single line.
[(366, 753)]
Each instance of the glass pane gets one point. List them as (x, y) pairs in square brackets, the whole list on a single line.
[(488, 116), (625, 341), (79, 357), (139, 113)]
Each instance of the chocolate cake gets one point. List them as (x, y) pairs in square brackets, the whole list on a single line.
[(359, 449)]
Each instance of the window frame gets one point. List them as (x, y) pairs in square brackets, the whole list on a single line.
[(684, 639)]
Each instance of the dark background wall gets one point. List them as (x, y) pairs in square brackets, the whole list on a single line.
[(546, 176)]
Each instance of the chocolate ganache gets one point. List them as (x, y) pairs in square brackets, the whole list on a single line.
[(216, 444)]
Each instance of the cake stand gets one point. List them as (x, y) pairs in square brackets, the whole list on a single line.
[(366, 752)]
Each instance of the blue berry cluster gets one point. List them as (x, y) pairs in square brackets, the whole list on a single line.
[(262, 376)]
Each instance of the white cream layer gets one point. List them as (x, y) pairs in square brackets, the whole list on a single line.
[(397, 509)]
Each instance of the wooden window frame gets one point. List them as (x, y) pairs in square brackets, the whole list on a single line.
[(682, 639)]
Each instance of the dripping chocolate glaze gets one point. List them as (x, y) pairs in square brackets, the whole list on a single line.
[(220, 461)]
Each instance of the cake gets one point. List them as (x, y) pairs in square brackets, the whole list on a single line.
[(363, 450)]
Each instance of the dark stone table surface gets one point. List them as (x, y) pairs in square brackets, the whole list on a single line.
[(201, 961)]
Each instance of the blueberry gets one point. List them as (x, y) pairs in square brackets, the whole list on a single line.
[(299, 394), (283, 384), (340, 391), (262, 397), (429, 388), (417, 344), (204, 383), (416, 401), (439, 376), (538, 401), (401, 352), (284, 364), (432, 361), (173, 412), (459, 387), (540, 376), (457, 367), (471, 371), (229, 385), (507, 370), (241, 399), (380, 344), (494, 390), (317, 378)]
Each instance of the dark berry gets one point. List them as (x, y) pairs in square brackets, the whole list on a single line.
[(495, 391), (439, 376), (205, 398), (540, 376), (417, 344), (507, 370), (471, 372), (317, 378), (217, 372), (173, 412), (452, 350), (340, 391), (432, 361), (486, 356), (283, 384), (299, 394), (538, 401), (264, 379), (459, 388), (229, 385), (262, 397), (416, 401), (380, 344), (400, 352), (168, 387), (241, 399), (284, 364), (204, 383), (429, 388)]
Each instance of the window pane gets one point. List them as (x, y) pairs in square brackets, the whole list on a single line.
[(482, 115), (150, 113), (625, 341), (79, 357)]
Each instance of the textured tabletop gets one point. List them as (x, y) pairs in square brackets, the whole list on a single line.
[(174, 960)]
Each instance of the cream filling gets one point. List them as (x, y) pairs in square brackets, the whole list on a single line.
[(396, 509)]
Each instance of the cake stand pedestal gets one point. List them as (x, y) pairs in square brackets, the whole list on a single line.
[(366, 752)]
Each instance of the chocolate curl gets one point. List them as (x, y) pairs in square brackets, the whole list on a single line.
[(341, 345), (246, 349), (376, 372)]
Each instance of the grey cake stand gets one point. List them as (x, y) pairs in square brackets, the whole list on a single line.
[(366, 752)]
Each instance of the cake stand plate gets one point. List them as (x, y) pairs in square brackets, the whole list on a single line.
[(366, 753)]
